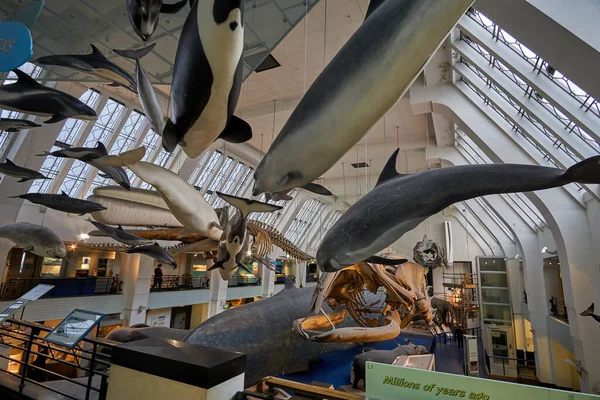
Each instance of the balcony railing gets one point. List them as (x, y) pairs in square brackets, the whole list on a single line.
[(558, 309), (63, 287), (177, 282)]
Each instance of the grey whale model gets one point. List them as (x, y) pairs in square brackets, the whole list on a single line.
[(399, 203), (11, 169), (63, 202), (119, 234), (36, 239)]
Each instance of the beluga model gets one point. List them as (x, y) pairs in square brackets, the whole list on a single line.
[(207, 78), (362, 82)]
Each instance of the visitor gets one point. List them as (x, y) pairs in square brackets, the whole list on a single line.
[(158, 274), (460, 333)]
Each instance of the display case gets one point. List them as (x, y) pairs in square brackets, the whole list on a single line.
[(471, 363)]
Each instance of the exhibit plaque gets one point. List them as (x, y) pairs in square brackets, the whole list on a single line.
[(11, 309), (71, 330), (37, 292), (389, 382)]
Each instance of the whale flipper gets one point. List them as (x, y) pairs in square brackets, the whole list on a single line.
[(586, 171), (247, 206), (385, 261), (173, 8), (23, 179), (218, 264), (135, 54), (318, 189), (373, 5), (242, 266), (56, 118), (236, 131)]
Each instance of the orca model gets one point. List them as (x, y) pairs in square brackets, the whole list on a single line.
[(11, 169), (94, 64), (62, 202), (362, 82), (15, 125), (233, 239), (29, 97), (35, 239), (144, 15), (155, 251), (119, 234), (399, 203), (207, 78)]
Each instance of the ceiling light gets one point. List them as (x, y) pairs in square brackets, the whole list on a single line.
[(73, 247), (83, 236)]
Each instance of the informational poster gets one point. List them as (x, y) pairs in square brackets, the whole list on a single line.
[(158, 321), (11, 309), (389, 382), (71, 330), (36, 292)]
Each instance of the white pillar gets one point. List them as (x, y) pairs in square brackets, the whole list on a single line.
[(5, 246), (136, 272), (218, 291)]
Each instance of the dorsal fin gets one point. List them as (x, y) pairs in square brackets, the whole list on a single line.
[(119, 227), (96, 52), (100, 146), (289, 284), (373, 5), (9, 162), (62, 193), (389, 170), (24, 79), (156, 244)]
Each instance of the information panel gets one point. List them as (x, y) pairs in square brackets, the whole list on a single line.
[(11, 309), (389, 382), (74, 328), (36, 292)]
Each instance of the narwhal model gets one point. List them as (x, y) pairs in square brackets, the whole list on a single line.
[(233, 240)]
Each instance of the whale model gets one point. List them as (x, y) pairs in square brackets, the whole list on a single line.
[(62, 202), (362, 82), (184, 201), (35, 239), (15, 125), (119, 234), (94, 64), (11, 169), (399, 203), (155, 251), (152, 108), (29, 97), (233, 239), (144, 14), (207, 78), (590, 313)]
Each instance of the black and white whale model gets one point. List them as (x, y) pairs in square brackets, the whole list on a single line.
[(155, 251), (119, 234), (207, 78), (11, 169), (399, 203), (233, 238), (364, 80), (63, 202), (29, 97), (144, 14), (15, 125), (35, 239), (94, 64)]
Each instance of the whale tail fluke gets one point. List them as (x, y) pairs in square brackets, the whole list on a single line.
[(586, 171), (588, 312), (124, 159), (247, 206), (135, 54)]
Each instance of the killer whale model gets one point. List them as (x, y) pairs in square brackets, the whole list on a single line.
[(207, 78), (11, 169), (144, 15), (155, 251), (94, 64), (186, 204), (15, 125), (399, 203), (62, 202), (35, 239), (362, 82), (233, 239), (29, 97), (119, 234)]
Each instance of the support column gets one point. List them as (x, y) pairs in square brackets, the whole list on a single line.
[(218, 291), (267, 278), (5, 246), (136, 272)]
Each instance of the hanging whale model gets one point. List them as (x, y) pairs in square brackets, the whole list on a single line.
[(11, 169), (207, 78), (399, 203), (233, 239), (119, 234), (15, 125), (155, 251), (590, 313), (35, 239), (186, 204), (152, 108), (94, 64), (144, 14), (29, 97), (62, 202), (364, 80)]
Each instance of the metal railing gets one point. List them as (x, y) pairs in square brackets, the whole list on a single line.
[(85, 367), (520, 363), (63, 287), (558, 309), (176, 282), (238, 280)]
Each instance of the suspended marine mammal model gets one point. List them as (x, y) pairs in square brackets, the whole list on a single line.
[(364, 80), (11, 169), (399, 203), (144, 14), (35, 239), (119, 234), (155, 251), (63, 202), (15, 125)]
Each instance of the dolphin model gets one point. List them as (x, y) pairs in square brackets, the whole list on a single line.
[(399, 203), (11, 169), (35, 239), (186, 204), (94, 64), (152, 107), (207, 78), (155, 251), (144, 14), (29, 97), (590, 313), (62, 202), (119, 234), (233, 239), (362, 82), (15, 125)]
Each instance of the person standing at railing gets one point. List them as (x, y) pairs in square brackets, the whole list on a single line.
[(460, 334), (158, 277)]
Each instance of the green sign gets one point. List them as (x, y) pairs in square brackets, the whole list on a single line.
[(390, 382)]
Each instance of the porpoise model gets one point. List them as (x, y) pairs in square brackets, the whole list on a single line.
[(62, 202), (144, 14), (152, 107), (234, 233), (590, 313), (35, 239), (11, 169), (119, 234), (376, 66), (155, 251), (29, 97), (94, 64), (207, 78), (184, 201), (15, 125), (399, 203)]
